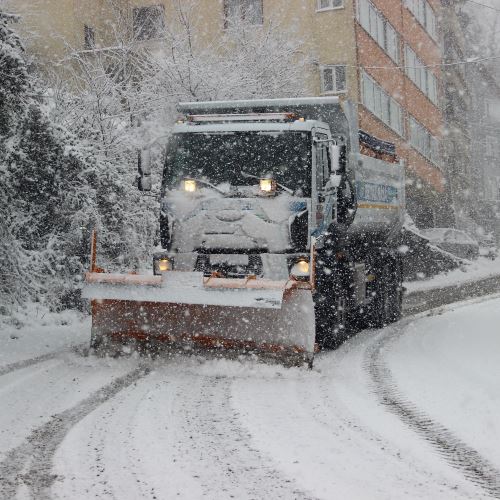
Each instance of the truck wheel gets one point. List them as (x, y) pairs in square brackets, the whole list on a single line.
[(331, 306), (388, 300), (95, 340), (331, 323), (380, 307), (396, 292), (103, 346)]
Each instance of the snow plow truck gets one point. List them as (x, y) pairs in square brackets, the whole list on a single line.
[(276, 234)]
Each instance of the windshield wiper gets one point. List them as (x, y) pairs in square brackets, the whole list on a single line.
[(250, 176)]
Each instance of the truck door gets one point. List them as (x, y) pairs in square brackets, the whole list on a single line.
[(322, 199)]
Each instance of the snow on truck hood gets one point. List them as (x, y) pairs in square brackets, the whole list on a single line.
[(212, 221)]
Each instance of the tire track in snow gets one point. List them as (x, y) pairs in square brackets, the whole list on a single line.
[(241, 465), (457, 453), (98, 436), (25, 363), (347, 424), (99, 465), (30, 464)]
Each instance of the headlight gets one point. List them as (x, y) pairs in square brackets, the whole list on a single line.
[(267, 185), (300, 269), (162, 265), (189, 185)]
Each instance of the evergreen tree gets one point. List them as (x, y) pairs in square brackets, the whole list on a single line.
[(13, 77), (53, 190), (13, 88)]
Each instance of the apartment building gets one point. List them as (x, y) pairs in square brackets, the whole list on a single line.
[(384, 55), (457, 101), (485, 146), (398, 59)]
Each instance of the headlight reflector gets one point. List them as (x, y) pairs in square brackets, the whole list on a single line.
[(189, 185), (162, 264), (267, 185), (300, 269)]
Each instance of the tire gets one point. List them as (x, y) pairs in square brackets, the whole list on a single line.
[(95, 340), (396, 293), (103, 346), (388, 300), (331, 324), (331, 305)]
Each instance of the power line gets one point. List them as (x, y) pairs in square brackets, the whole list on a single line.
[(483, 5), (356, 66), (437, 65)]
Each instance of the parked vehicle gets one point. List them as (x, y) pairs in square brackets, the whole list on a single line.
[(454, 241), (487, 246), (275, 233)]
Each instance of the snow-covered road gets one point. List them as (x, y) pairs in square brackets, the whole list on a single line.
[(405, 412)]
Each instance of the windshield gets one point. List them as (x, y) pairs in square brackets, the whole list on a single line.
[(226, 158)]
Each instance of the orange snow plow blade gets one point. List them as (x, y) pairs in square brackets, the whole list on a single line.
[(189, 310)]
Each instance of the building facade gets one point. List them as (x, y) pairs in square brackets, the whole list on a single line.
[(384, 55), (485, 166), (399, 56), (457, 101)]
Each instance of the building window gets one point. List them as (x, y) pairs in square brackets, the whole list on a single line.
[(148, 22), (491, 110), (329, 4), (381, 104), (423, 141), (247, 11), (432, 87), (333, 79), (88, 37), (421, 76), (424, 14), (490, 147), (379, 28), (487, 107)]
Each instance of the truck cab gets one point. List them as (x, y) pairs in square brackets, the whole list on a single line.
[(269, 189), (244, 194)]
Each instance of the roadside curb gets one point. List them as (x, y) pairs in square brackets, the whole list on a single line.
[(423, 300)]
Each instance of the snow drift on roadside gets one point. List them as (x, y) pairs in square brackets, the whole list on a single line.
[(449, 366)]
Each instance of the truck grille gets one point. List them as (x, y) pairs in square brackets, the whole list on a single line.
[(254, 267)]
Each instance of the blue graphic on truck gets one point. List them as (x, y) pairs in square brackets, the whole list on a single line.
[(377, 193)]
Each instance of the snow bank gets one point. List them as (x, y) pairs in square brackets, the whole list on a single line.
[(449, 367), (36, 331), (481, 268)]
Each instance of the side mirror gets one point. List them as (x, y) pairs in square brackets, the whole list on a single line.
[(335, 180), (144, 182), (335, 156)]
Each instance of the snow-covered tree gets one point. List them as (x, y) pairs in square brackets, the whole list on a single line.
[(13, 87), (125, 89), (244, 62), (54, 189)]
